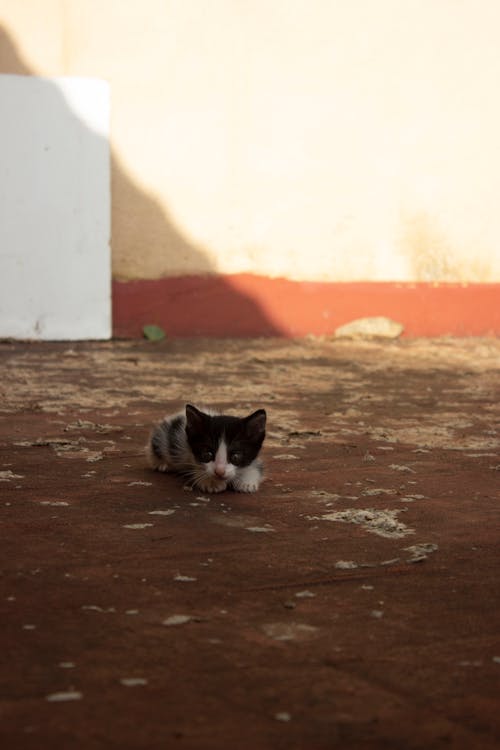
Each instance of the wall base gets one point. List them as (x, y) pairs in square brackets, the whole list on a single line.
[(244, 305)]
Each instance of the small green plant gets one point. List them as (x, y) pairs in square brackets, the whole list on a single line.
[(153, 333)]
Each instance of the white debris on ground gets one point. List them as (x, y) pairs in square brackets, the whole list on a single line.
[(381, 522)]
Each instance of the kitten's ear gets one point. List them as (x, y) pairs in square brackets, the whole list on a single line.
[(256, 423), (194, 417)]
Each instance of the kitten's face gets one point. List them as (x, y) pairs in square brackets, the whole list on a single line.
[(224, 444)]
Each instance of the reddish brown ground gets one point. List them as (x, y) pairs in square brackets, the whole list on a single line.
[(302, 630)]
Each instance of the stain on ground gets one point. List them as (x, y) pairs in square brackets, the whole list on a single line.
[(353, 602)]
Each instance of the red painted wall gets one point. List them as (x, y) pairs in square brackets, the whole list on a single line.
[(246, 305)]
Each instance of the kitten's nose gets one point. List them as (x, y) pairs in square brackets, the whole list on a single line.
[(220, 470)]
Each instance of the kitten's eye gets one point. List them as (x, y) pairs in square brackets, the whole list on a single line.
[(236, 458), (207, 455)]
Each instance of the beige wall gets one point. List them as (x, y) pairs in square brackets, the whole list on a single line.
[(312, 139)]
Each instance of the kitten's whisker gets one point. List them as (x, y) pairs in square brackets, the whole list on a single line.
[(195, 474)]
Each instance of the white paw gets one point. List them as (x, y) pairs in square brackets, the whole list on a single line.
[(211, 485), (248, 486), (249, 479)]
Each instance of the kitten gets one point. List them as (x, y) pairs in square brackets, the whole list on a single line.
[(212, 451)]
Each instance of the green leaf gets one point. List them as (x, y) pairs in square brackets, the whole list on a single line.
[(153, 333)]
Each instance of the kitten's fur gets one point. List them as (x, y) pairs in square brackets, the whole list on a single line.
[(212, 451)]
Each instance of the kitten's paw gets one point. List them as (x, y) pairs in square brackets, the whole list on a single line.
[(158, 463), (211, 484), (246, 485), (249, 479)]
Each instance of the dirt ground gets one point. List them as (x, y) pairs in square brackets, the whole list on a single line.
[(352, 603)]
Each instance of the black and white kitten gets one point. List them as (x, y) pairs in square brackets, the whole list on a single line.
[(212, 451)]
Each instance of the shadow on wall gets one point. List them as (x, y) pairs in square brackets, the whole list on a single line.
[(206, 304)]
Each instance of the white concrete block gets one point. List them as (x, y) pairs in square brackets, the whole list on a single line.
[(55, 267)]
